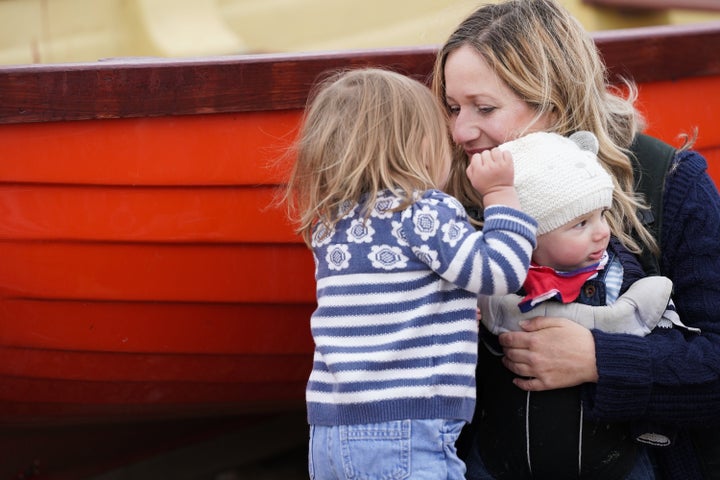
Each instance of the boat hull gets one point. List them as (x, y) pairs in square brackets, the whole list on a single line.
[(146, 270), (147, 273)]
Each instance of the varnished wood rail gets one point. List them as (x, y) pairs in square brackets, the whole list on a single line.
[(126, 88)]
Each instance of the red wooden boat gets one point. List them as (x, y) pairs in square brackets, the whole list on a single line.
[(145, 274)]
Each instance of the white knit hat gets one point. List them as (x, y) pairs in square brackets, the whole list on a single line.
[(559, 178)]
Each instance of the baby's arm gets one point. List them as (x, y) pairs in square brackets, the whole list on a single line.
[(492, 174), (636, 312)]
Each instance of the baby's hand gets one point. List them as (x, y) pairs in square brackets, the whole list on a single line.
[(492, 174)]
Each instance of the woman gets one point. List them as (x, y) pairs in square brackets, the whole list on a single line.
[(645, 402)]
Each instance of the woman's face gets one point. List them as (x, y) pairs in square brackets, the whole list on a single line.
[(484, 112)]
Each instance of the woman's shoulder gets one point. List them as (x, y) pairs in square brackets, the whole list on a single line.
[(687, 164), (688, 181), (691, 207)]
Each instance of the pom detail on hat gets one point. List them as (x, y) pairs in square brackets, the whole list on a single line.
[(558, 178)]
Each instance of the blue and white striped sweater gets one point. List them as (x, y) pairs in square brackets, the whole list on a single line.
[(395, 330)]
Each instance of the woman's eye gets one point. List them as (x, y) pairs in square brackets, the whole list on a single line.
[(455, 110)]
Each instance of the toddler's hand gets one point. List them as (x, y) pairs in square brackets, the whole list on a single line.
[(492, 174)]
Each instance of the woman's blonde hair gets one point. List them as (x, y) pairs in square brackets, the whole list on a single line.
[(365, 131), (546, 58)]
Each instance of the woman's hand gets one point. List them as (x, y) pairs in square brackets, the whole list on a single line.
[(551, 352)]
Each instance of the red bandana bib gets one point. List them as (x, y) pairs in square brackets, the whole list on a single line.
[(544, 283)]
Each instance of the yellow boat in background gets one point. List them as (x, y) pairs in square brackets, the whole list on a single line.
[(68, 31)]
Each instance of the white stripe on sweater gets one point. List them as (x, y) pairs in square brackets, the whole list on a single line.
[(429, 351)]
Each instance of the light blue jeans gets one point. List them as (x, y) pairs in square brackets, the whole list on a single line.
[(417, 449)]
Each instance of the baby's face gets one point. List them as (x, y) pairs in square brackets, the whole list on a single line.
[(577, 244)]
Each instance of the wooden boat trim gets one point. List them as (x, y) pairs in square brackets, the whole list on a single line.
[(125, 88)]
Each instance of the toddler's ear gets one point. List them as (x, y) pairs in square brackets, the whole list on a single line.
[(586, 141)]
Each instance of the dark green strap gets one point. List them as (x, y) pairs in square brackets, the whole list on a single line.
[(651, 162)]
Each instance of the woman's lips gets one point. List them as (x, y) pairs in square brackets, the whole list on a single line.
[(472, 151)]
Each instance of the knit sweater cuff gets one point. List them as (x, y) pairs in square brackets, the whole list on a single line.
[(625, 377), (502, 211)]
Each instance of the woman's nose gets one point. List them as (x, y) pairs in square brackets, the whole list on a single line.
[(463, 130)]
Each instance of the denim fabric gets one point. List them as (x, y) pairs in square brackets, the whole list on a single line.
[(643, 469), (417, 449)]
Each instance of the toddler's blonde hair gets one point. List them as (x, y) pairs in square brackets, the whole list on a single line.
[(365, 131)]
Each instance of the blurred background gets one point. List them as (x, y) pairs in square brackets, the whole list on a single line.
[(73, 31), (69, 31)]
